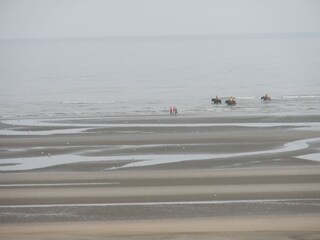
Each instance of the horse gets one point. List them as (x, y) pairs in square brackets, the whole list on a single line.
[(266, 98), (216, 100), (231, 102)]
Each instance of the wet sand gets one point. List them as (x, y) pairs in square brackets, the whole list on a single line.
[(282, 203), (261, 195), (278, 227)]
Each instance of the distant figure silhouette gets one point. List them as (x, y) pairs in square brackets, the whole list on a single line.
[(216, 100), (173, 111), (266, 98), (231, 101)]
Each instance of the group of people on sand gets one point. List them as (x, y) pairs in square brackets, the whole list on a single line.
[(232, 100), (173, 111)]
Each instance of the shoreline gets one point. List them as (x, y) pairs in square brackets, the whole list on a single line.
[(185, 117)]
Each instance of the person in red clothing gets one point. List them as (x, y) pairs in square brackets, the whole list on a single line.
[(175, 110)]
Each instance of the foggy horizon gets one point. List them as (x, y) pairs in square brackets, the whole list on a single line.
[(37, 19), (216, 35)]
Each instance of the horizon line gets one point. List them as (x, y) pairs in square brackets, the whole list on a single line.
[(217, 35)]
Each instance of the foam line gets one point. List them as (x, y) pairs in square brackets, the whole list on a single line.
[(214, 202)]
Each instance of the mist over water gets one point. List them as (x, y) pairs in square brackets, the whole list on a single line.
[(108, 76)]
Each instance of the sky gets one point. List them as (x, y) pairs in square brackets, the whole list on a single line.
[(103, 18)]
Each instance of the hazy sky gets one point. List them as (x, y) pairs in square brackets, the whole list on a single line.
[(97, 18)]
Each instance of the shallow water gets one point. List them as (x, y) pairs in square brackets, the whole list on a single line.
[(46, 80), (102, 77), (19, 164), (72, 128)]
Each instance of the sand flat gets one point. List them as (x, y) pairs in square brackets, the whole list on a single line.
[(245, 196), (277, 227)]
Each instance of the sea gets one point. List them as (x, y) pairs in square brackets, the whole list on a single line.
[(127, 76)]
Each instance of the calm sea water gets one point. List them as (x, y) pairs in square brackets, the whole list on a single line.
[(102, 77)]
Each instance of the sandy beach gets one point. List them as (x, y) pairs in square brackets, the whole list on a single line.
[(162, 120), (160, 177)]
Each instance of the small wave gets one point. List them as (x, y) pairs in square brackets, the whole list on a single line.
[(301, 96), (277, 97), (237, 97), (246, 97), (86, 102)]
